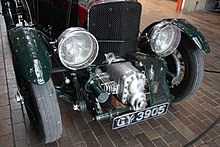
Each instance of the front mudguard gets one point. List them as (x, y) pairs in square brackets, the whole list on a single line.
[(30, 50), (188, 30)]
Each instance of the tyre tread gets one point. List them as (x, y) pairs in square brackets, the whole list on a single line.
[(46, 101)]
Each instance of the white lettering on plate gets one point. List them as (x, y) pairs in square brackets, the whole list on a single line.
[(126, 120), (131, 118)]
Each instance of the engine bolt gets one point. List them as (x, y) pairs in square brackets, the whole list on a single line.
[(67, 81)]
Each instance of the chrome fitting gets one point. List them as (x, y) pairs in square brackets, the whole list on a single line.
[(19, 97)]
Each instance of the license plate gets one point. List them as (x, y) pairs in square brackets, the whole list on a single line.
[(138, 116)]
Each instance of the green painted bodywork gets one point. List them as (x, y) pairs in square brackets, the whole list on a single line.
[(192, 32), (187, 28), (10, 13), (30, 49)]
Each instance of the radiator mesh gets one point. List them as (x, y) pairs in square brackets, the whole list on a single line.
[(116, 27)]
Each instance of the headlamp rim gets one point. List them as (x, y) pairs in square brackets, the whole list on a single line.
[(158, 28), (67, 34)]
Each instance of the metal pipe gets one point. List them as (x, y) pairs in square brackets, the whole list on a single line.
[(112, 113), (27, 8), (69, 13), (59, 70), (179, 6), (100, 93)]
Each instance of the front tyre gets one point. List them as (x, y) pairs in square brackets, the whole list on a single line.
[(43, 111), (191, 70)]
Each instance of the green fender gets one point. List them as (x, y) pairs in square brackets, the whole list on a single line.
[(192, 32), (188, 29), (30, 50)]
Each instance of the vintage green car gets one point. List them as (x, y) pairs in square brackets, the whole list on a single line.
[(90, 53)]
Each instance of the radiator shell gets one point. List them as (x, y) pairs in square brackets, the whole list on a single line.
[(116, 27)]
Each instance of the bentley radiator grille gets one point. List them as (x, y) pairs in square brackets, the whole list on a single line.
[(116, 27)]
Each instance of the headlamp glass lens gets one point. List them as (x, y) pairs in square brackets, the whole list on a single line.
[(165, 39), (77, 49)]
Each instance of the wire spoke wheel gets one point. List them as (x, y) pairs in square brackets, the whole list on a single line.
[(185, 71)]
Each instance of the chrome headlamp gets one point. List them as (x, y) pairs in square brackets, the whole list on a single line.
[(164, 38), (77, 48)]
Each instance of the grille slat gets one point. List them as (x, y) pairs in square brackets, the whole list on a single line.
[(115, 21)]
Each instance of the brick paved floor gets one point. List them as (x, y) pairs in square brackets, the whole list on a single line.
[(182, 123)]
